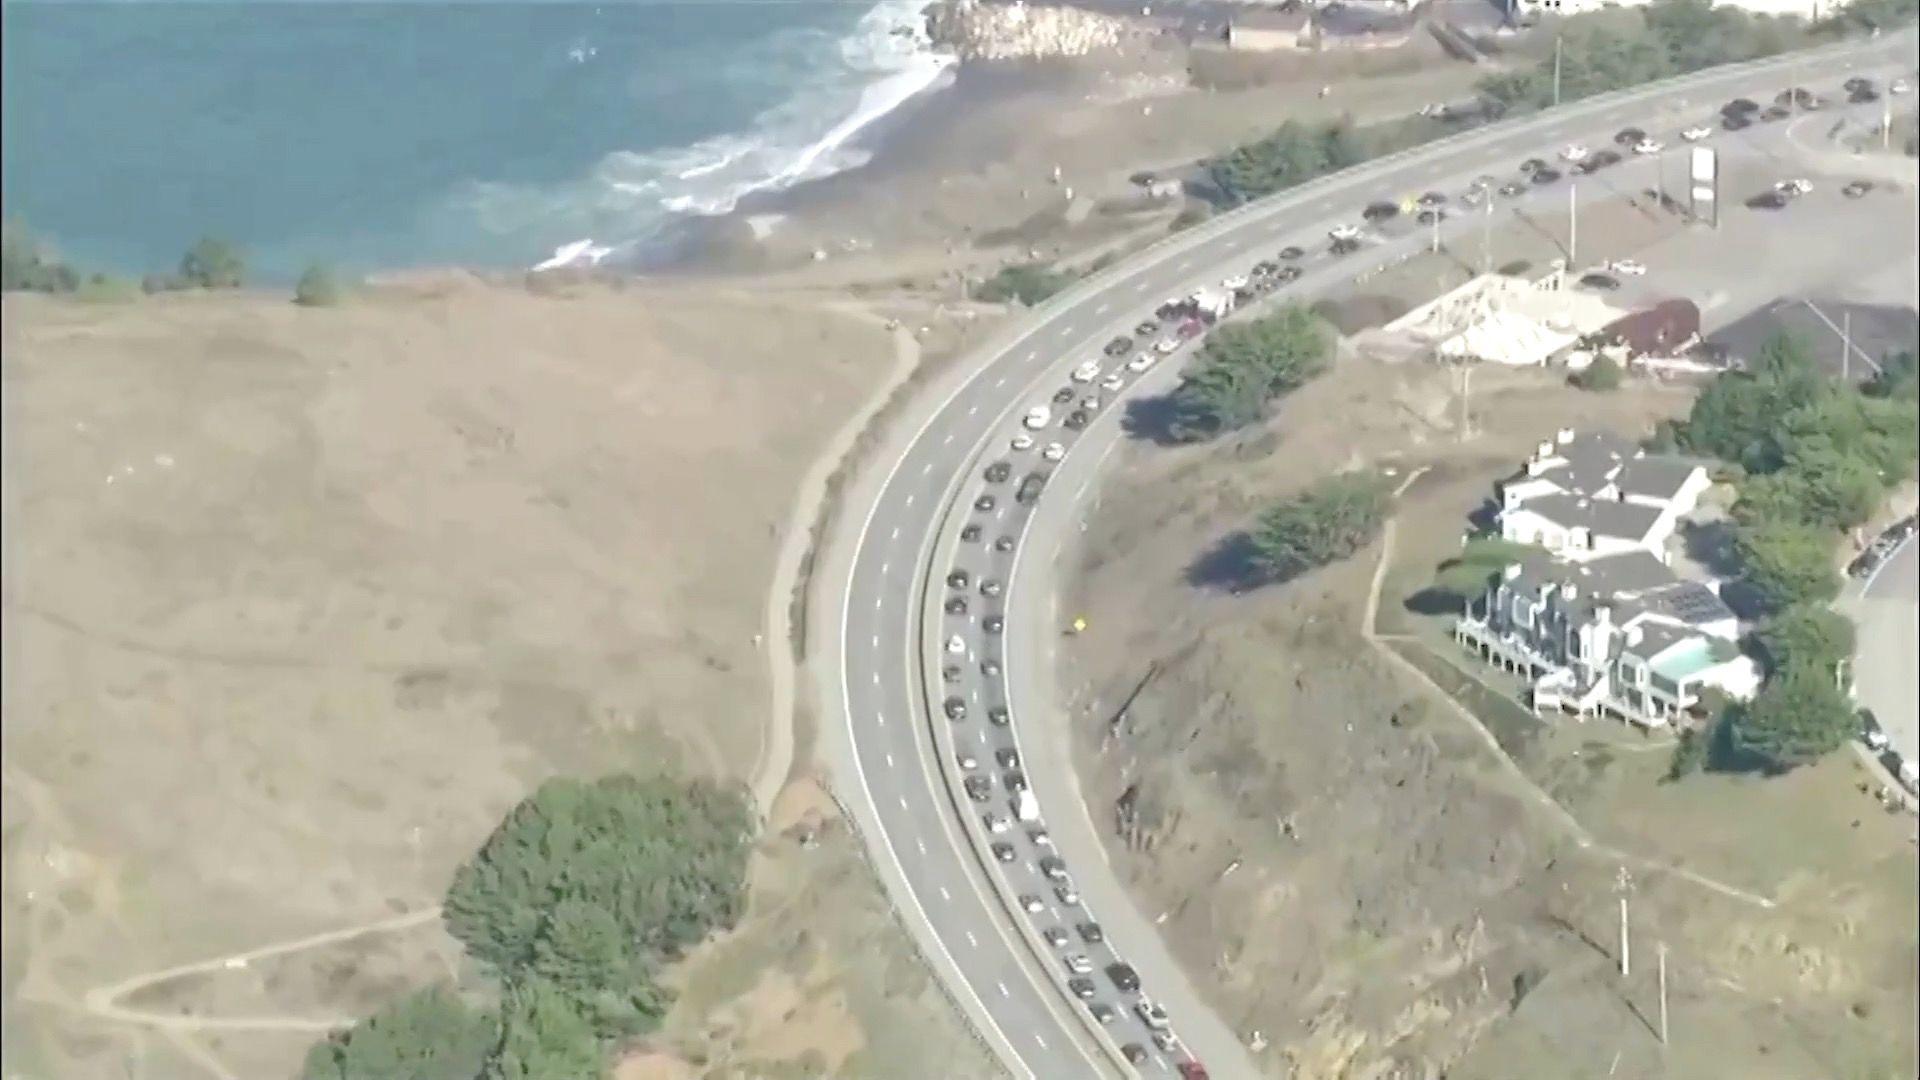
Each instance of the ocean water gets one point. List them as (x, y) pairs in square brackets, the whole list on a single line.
[(404, 133)]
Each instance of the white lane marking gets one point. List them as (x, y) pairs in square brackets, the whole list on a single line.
[(1033, 354), (999, 382), (971, 941), (1102, 309), (1184, 263), (896, 533), (1041, 1041), (921, 844), (945, 895), (1002, 987), (1141, 286), (884, 567), (876, 678), (876, 641), (909, 500), (903, 802), (880, 718), (889, 761), (948, 441), (973, 410), (1067, 330)]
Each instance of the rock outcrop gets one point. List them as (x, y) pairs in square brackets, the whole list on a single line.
[(977, 30)]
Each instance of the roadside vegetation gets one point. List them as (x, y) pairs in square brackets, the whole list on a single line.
[(1243, 367), (1815, 457), (1024, 283), (1602, 375), (1330, 520), (573, 906)]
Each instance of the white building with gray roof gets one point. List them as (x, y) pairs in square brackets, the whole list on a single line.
[(1588, 496)]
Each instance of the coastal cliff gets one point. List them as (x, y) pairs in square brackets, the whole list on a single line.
[(977, 30)]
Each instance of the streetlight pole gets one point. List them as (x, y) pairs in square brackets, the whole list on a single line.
[(1846, 346), (1486, 236), (1573, 224), (1556, 70)]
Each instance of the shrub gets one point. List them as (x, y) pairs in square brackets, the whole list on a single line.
[(28, 266), (427, 1035), (1330, 520), (212, 264), (1243, 367), (316, 288), (1789, 563), (1601, 375), (1809, 635), (1028, 283), (1798, 716)]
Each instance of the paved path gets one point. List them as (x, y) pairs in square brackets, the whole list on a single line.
[(1886, 609), (884, 567)]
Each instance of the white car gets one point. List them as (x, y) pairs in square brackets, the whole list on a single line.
[(1091, 403), (956, 644), (1041, 839), (1344, 232), (1087, 372), (1038, 417), (1165, 346), (1695, 134), (1793, 187), (1899, 86), (1079, 964), (995, 824), (1628, 267), (1022, 441), (1648, 146), (1234, 283), (1032, 905), (1154, 1016), (1574, 152), (1066, 895), (1113, 382), (1053, 451)]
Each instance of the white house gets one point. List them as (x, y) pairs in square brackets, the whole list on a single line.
[(1594, 495), (1616, 634)]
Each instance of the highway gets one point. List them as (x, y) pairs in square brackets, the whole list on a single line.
[(881, 629)]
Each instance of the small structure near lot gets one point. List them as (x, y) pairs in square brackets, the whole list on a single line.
[(1271, 29), (1504, 320)]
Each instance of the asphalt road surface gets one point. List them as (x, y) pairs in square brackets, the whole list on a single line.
[(1887, 611), (883, 634)]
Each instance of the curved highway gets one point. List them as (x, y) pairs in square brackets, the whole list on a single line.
[(886, 625)]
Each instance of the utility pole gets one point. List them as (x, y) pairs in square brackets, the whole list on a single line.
[(1886, 121), (1573, 225), (1436, 229), (1846, 346), (1624, 883), (1663, 993), (1556, 70), (1486, 235)]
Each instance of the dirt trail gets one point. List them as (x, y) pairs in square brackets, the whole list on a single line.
[(776, 751), (1567, 822)]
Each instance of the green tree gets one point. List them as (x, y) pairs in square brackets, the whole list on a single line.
[(316, 288), (1246, 365), (1028, 283), (1330, 520), (1896, 378), (1789, 563), (1734, 417), (1603, 374), (1690, 754), (544, 1036), (428, 1035), (1806, 635), (26, 265), (212, 263), (1466, 576), (1798, 716), (591, 886)]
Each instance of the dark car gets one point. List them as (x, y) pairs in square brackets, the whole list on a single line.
[(1091, 933), (1053, 867), (1125, 979), (950, 673), (1546, 176), (1147, 328), (1054, 936), (1767, 200), (1863, 95), (1287, 273), (1740, 107), (1629, 136), (1063, 395), (1603, 282), (1736, 122), (998, 471), (1380, 211), (984, 503), (1082, 988), (1102, 1012), (1512, 189), (1172, 309), (1003, 851), (1599, 160), (970, 533), (1031, 487), (1432, 216), (1433, 198), (1016, 782), (955, 708), (1345, 246), (989, 588), (1005, 543), (994, 624), (1857, 188), (1265, 268), (1008, 757), (1857, 84), (1289, 254), (997, 716), (1777, 112), (1533, 164), (990, 667), (956, 605), (1134, 1053), (959, 579), (977, 788), (1076, 420), (1119, 346)]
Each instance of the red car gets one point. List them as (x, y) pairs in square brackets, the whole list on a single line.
[(1192, 1070), (1190, 328)]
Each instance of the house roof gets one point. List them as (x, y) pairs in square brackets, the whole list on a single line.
[(1592, 458), (1657, 330), (1687, 602), (1601, 517), (1654, 477), (1656, 638)]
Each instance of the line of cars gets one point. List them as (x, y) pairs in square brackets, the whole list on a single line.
[(1014, 826)]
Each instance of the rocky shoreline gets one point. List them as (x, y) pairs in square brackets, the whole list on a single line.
[(981, 30)]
